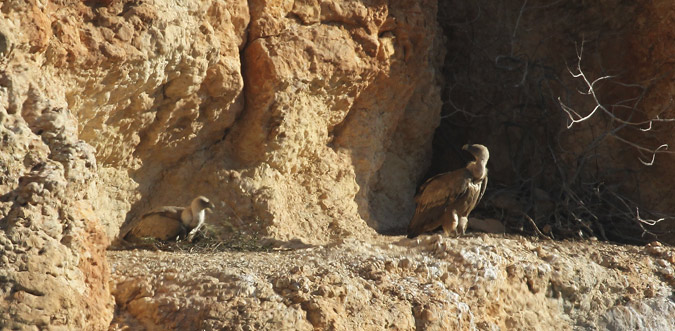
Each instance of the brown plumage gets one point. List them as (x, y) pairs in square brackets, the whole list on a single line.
[(163, 223), (446, 200), (169, 222)]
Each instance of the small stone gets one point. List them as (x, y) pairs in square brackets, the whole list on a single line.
[(405, 263), (452, 268), (322, 290), (281, 283), (649, 292), (438, 247), (112, 51), (312, 305), (428, 315), (655, 248), (125, 32), (551, 258)]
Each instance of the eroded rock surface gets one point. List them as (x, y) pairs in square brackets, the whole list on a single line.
[(327, 94), (308, 120), (282, 114), (432, 283), (53, 269)]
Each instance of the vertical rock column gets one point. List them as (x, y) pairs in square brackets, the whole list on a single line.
[(53, 270), (330, 101)]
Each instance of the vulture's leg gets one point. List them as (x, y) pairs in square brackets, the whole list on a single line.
[(182, 233), (193, 232), (450, 220), (462, 224)]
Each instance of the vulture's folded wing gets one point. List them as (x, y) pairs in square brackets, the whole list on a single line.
[(166, 212), (483, 187), (433, 197)]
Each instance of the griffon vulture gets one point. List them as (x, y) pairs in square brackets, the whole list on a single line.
[(446, 199), (169, 222)]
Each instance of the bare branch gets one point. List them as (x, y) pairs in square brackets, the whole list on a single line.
[(562, 190), (536, 228), (574, 117), (646, 221), (520, 15), (661, 149)]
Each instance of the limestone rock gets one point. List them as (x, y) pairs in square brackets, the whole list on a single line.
[(481, 282), (304, 122), (337, 104), (52, 247)]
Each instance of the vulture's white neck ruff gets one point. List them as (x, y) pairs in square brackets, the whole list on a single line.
[(478, 169), (194, 215), (199, 219)]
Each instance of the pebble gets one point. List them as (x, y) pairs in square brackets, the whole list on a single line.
[(649, 292), (662, 263), (445, 276), (655, 248), (428, 315)]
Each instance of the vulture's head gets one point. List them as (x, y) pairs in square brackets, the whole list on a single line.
[(478, 151), (202, 203)]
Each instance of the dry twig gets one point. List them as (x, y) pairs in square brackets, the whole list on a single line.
[(574, 117)]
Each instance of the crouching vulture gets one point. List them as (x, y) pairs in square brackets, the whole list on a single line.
[(446, 199), (169, 222)]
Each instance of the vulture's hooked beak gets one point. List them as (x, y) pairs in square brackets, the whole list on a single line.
[(210, 208), (479, 152), (471, 148)]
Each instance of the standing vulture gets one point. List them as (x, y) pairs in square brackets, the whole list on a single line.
[(447, 199), (169, 222)]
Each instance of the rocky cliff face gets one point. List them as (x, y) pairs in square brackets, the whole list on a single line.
[(323, 94), (53, 269), (281, 113), (308, 120)]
